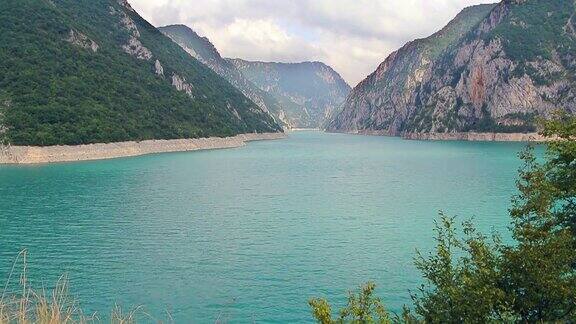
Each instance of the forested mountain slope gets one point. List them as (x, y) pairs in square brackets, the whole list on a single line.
[(83, 71)]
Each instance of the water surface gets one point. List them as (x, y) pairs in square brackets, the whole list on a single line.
[(250, 233)]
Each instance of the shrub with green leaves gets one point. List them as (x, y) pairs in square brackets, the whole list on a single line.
[(363, 307), (471, 278)]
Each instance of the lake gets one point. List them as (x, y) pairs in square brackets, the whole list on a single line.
[(248, 234)]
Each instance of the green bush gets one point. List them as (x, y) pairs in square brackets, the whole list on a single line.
[(470, 278)]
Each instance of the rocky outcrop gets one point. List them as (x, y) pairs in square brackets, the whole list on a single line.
[(53, 154), (134, 46), (158, 68), (126, 5), (382, 102), (129, 25), (494, 88), (136, 49), (181, 85), (496, 73), (78, 39)]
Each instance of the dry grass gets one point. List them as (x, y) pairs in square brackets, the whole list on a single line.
[(29, 306)]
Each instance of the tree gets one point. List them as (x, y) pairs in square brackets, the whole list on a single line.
[(361, 308), (461, 277), (473, 279), (539, 273), (4, 105)]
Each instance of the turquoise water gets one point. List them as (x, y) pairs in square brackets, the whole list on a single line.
[(250, 233)]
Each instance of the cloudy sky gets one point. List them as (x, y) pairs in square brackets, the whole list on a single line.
[(353, 36)]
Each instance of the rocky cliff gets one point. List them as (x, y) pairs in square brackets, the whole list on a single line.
[(494, 68), (308, 92), (82, 71)]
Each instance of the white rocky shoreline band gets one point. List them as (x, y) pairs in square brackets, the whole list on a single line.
[(102, 151), (477, 137), (462, 136)]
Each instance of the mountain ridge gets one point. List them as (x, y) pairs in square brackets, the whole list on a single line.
[(288, 104), (80, 72), (313, 88), (497, 76), (203, 50)]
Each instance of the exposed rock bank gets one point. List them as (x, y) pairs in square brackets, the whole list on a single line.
[(481, 137), (52, 154)]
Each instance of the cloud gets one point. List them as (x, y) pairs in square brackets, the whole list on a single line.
[(260, 39), (353, 36)]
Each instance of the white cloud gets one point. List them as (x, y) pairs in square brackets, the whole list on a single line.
[(260, 39), (353, 36)]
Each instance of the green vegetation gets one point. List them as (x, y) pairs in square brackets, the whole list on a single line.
[(4, 105), (459, 27), (65, 94), (471, 278), (487, 124), (361, 308), (531, 30), (29, 306), (535, 30)]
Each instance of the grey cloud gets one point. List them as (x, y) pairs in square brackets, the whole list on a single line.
[(353, 36)]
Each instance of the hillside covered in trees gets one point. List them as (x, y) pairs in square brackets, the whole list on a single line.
[(80, 71)]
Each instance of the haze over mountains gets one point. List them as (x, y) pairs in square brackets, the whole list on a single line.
[(299, 95), (494, 68), (310, 91)]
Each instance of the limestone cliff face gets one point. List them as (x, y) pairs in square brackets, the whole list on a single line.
[(506, 65)]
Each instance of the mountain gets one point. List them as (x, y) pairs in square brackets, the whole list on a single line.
[(494, 68), (309, 92), (298, 95), (204, 51), (83, 71)]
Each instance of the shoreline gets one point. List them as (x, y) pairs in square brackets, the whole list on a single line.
[(104, 151), (304, 129), (468, 136), (477, 137)]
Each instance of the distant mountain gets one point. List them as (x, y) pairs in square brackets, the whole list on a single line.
[(203, 50), (298, 95), (494, 68), (84, 71), (309, 92)]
